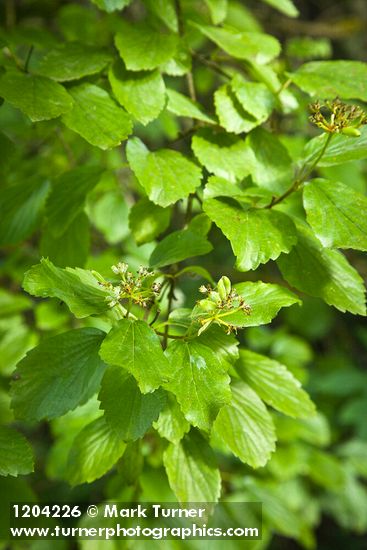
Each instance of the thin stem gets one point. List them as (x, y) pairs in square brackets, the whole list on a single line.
[(173, 336), (196, 196), (303, 175), (185, 134), (181, 32), (156, 315), (188, 212), (171, 296), (29, 55), (284, 86), (191, 85), (128, 308), (277, 200), (318, 158), (211, 64), (172, 323), (180, 22), (123, 312)]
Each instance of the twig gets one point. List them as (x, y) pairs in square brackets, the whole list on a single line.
[(156, 315), (29, 55), (303, 176), (284, 86), (171, 296), (175, 337), (188, 209), (185, 134), (211, 64), (191, 85), (319, 157), (181, 32)]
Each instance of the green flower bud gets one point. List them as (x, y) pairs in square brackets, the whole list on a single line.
[(98, 276), (215, 297), (207, 305), (351, 131), (224, 287)]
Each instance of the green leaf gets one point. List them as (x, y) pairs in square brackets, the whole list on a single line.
[(71, 61), (148, 220), (253, 196), (350, 508), (16, 457), (307, 47), (340, 150), (230, 112), (95, 450), (11, 303), (223, 155), (171, 423), (62, 372), (334, 213), (225, 346), (165, 10), (327, 471), (314, 430), (181, 62), (180, 105), (68, 196), (254, 97), (330, 79), (196, 271), (253, 46), (275, 384), (218, 10), (246, 426), (271, 165), (76, 287), (284, 6), (110, 215), (141, 93), (180, 245), (199, 380), (21, 208), (256, 236), (143, 48), (128, 412), (96, 117), (71, 248), (166, 175), (265, 301), (15, 340), (37, 97), (192, 470), (111, 5), (323, 273), (134, 346)]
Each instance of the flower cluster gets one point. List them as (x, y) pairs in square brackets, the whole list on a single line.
[(219, 302), (338, 117), (139, 289)]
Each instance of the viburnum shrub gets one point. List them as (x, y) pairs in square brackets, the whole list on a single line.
[(169, 181)]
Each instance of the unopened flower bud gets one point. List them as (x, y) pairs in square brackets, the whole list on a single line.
[(224, 287), (351, 131)]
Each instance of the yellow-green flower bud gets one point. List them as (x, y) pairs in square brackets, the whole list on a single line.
[(351, 131), (224, 288), (207, 305)]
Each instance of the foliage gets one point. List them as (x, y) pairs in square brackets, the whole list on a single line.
[(164, 198)]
